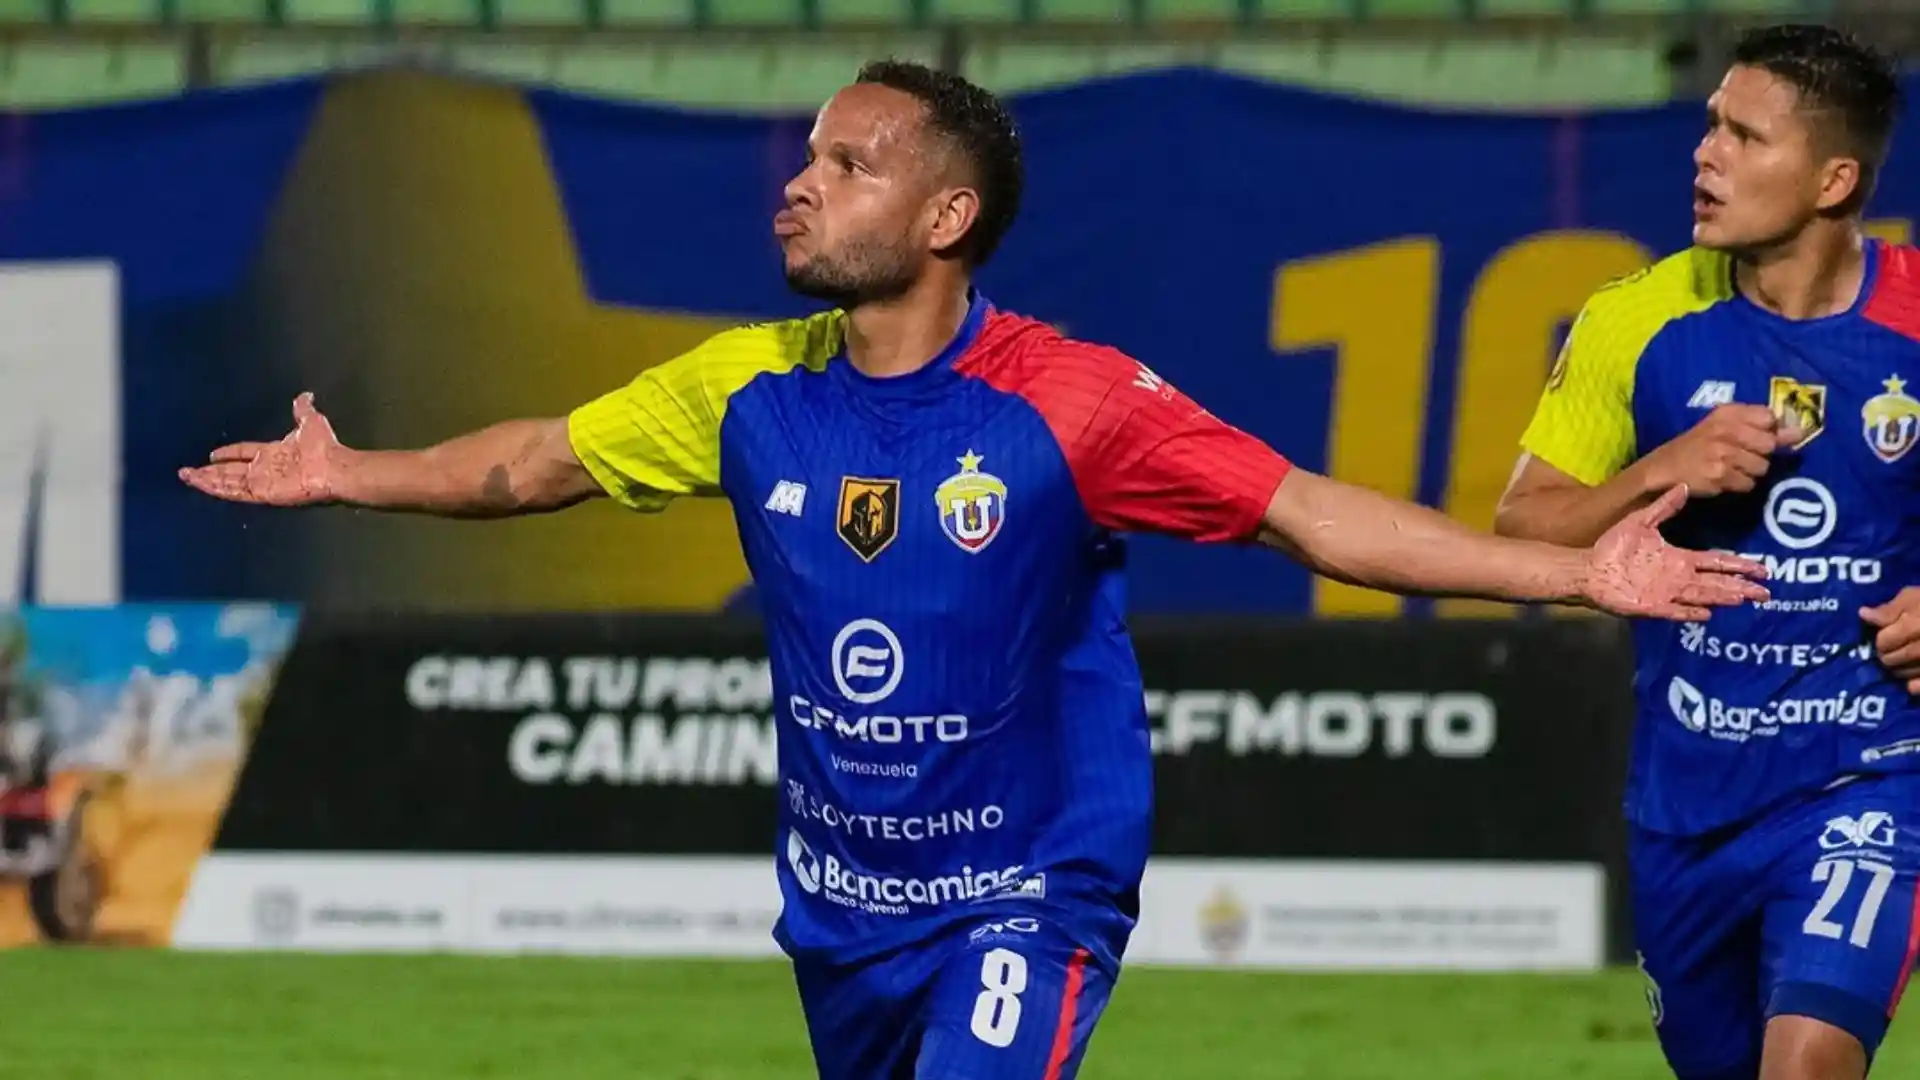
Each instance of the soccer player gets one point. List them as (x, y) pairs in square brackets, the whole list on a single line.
[(1774, 806), (929, 493)]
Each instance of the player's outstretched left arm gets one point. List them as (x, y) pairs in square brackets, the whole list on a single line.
[(1360, 537), (1147, 458)]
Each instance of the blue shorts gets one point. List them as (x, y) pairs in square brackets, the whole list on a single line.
[(1808, 911), (1002, 998)]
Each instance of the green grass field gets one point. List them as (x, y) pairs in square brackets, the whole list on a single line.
[(170, 1016)]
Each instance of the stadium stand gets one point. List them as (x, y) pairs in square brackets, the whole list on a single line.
[(788, 54)]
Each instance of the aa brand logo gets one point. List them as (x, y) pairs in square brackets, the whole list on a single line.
[(867, 661), (1801, 513), (1800, 405), (789, 497), (972, 505), (1870, 830), (1711, 394), (869, 516), (1891, 421)]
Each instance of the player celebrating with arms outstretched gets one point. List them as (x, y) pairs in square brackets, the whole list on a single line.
[(929, 492), (1775, 814)]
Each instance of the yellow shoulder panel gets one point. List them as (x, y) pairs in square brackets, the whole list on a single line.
[(1584, 425), (658, 437)]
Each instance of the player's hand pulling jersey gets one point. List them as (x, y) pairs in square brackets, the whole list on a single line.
[(1766, 701)]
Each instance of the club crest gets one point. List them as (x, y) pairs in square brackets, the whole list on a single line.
[(1891, 421), (972, 505)]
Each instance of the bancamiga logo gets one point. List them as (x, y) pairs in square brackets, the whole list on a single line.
[(831, 879)]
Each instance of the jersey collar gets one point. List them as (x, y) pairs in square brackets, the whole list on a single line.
[(934, 378), (1869, 280)]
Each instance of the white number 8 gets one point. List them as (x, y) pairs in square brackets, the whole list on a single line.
[(996, 1012)]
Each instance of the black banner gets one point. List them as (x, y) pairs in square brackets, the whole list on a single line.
[(530, 734), (583, 734), (1389, 740)]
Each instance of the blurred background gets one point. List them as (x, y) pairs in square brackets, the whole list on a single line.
[(282, 793)]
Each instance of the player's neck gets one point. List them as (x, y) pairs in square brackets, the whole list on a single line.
[(1818, 273), (901, 336)]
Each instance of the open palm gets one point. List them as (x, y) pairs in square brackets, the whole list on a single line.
[(296, 471), (1632, 570)]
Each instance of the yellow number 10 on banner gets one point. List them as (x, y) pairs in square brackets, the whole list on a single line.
[(1378, 307)]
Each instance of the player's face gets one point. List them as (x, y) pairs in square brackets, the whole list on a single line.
[(855, 226), (1760, 172)]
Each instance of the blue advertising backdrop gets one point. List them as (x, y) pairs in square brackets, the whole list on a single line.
[(1377, 291)]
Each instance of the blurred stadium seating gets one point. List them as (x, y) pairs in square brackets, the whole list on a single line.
[(791, 53)]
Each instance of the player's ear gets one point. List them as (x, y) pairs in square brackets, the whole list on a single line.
[(954, 212), (1840, 183)]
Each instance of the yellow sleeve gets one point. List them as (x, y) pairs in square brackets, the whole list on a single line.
[(658, 437), (1584, 425)]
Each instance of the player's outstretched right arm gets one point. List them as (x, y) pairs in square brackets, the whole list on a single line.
[(511, 468)]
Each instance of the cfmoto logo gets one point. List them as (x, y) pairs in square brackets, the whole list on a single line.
[(1801, 513), (867, 662)]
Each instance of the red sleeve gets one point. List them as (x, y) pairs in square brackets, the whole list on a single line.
[(1895, 301), (1145, 457)]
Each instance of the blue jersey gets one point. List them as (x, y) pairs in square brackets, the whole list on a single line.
[(961, 719), (1767, 702)]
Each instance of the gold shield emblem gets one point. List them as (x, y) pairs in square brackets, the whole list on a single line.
[(1803, 405), (869, 516)]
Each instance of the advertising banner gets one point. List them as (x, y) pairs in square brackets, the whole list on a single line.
[(430, 255), (249, 776), (1311, 915), (629, 906), (636, 734), (121, 733)]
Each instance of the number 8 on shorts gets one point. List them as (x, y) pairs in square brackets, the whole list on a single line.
[(1017, 1002)]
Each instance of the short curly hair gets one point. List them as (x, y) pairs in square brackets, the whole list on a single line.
[(981, 128)]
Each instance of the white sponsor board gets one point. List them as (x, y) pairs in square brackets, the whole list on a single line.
[(1196, 912), (60, 432), (489, 904), (1361, 915)]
